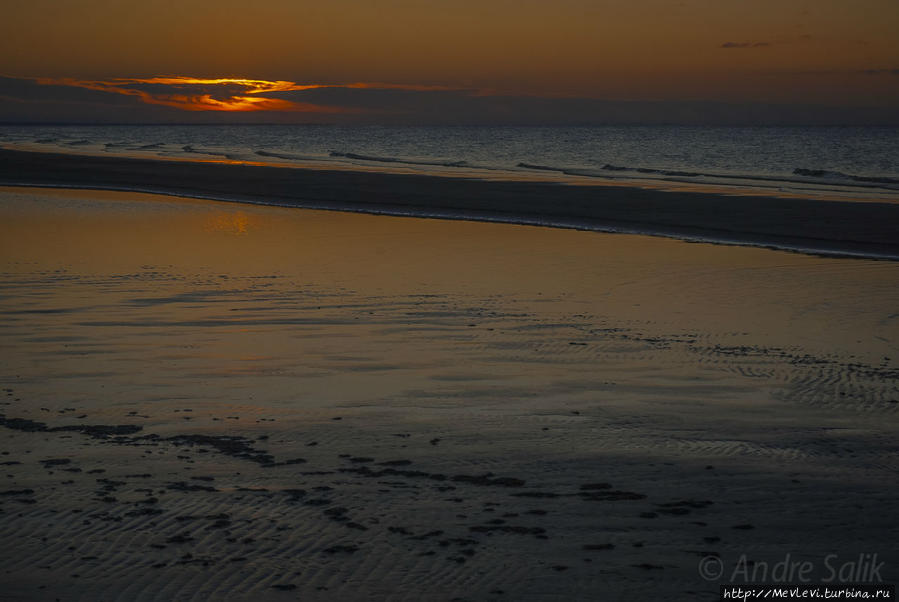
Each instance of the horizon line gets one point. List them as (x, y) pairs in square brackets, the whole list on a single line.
[(446, 125)]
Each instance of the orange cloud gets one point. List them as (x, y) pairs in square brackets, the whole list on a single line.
[(251, 95), (205, 99)]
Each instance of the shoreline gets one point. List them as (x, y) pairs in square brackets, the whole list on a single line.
[(837, 228)]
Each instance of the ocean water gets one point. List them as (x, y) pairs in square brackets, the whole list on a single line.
[(858, 162)]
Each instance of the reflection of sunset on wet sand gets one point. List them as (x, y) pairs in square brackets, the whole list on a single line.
[(302, 394), (237, 222)]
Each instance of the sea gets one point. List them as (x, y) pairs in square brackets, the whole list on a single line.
[(859, 163)]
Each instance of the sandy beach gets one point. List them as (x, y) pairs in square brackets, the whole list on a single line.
[(217, 401)]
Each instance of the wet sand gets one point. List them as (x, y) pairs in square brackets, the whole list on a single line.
[(209, 401), (840, 227)]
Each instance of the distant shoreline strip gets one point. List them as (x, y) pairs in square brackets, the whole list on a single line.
[(833, 228)]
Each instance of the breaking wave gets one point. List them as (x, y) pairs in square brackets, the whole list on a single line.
[(807, 175), (837, 175), (435, 163)]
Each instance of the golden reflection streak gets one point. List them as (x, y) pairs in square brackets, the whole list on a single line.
[(231, 223)]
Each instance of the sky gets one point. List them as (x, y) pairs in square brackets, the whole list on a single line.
[(450, 61)]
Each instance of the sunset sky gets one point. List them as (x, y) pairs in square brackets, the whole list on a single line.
[(417, 61)]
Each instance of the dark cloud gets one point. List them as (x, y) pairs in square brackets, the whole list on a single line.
[(135, 100), (383, 100), (24, 100), (29, 90), (880, 71), (744, 44), (467, 107), (216, 91)]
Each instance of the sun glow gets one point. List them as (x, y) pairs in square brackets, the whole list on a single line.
[(224, 93), (202, 94)]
